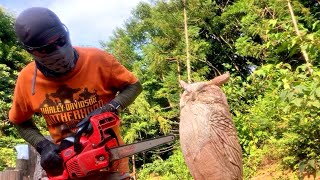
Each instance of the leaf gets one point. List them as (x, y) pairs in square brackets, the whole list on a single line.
[(304, 47), (273, 22), (302, 166), (285, 84), (315, 104), (300, 89), (314, 25), (283, 95), (318, 92), (286, 109), (297, 102), (312, 163), (294, 41)]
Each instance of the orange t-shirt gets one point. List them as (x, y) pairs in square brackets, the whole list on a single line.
[(65, 101)]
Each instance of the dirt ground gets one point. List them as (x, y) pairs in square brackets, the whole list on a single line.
[(274, 172)]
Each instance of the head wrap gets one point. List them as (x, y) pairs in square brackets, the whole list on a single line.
[(35, 26)]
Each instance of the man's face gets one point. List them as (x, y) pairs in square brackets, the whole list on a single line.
[(57, 55)]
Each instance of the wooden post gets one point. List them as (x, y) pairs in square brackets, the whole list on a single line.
[(29, 169), (22, 161), (22, 167), (11, 175)]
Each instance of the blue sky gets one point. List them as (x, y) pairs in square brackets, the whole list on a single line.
[(88, 21)]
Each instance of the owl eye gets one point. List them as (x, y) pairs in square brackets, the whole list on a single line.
[(187, 90), (186, 94), (202, 90)]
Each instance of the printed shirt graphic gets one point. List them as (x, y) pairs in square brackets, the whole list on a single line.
[(65, 101), (62, 111)]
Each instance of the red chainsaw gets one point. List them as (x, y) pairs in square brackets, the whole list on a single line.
[(95, 147)]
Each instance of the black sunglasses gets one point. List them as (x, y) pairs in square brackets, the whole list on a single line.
[(48, 48)]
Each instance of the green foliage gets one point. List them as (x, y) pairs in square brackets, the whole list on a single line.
[(301, 96), (12, 59), (172, 168), (283, 107), (7, 150), (266, 31)]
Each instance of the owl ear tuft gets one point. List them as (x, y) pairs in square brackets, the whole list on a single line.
[(184, 85), (219, 80)]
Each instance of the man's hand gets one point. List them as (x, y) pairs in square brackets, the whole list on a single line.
[(51, 162), (112, 106)]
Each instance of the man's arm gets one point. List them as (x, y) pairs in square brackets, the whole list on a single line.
[(30, 132), (128, 94), (50, 159)]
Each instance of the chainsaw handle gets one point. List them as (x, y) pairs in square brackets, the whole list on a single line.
[(77, 146), (84, 128)]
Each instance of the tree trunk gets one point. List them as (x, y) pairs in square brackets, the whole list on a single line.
[(178, 69), (133, 168), (187, 41)]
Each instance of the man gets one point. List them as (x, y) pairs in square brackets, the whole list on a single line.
[(65, 84)]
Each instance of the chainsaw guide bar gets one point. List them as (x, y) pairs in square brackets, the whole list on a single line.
[(131, 149)]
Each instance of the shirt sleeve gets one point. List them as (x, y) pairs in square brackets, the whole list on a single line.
[(21, 109), (120, 76)]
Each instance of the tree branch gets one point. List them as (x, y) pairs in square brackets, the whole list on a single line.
[(295, 24)]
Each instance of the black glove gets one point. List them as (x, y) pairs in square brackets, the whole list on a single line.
[(51, 162), (112, 106)]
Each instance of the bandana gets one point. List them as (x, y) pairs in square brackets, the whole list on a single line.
[(60, 61)]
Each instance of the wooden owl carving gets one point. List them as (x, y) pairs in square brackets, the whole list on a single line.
[(208, 137)]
